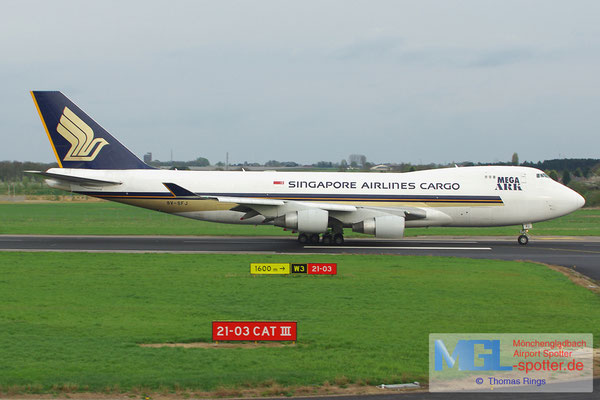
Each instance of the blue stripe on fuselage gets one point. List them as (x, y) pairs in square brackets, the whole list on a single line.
[(311, 196)]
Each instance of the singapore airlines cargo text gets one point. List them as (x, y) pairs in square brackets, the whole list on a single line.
[(373, 185)]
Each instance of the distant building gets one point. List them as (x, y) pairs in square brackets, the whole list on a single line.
[(148, 158), (380, 167)]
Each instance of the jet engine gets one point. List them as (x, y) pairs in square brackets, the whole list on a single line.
[(306, 221), (386, 226)]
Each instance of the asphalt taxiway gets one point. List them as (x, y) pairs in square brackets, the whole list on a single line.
[(579, 253)]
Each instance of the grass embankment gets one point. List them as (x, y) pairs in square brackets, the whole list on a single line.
[(76, 320), (104, 218)]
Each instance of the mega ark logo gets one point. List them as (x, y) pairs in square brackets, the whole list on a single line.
[(81, 137), (508, 183)]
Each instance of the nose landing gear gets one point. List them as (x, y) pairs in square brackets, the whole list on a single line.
[(523, 238)]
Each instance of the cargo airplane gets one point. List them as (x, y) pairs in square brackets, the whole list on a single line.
[(317, 205)]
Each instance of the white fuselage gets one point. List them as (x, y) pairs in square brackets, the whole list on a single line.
[(466, 196)]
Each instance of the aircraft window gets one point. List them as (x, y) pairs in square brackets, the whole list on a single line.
[(541, 176)]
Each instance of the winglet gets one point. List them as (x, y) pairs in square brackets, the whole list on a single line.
[(178, 191)]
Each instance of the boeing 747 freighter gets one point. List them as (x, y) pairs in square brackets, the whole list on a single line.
[(318, 205)]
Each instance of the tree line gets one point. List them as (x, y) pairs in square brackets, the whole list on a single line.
[(14, 171)]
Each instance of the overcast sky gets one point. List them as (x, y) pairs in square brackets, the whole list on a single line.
[(398, 81)]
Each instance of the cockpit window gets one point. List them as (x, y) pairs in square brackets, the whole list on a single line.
[(541, 176)]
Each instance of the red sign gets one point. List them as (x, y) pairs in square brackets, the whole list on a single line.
[(253, 330), (277, 182), (322, 269)]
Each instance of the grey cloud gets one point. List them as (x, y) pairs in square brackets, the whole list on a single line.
[(371, 48), (397, 50), (497, 58)]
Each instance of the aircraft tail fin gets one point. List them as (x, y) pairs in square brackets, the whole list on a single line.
[(77, 140)]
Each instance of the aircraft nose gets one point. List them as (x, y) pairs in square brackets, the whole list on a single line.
[(580, 200), (576, 201), (565, 201)]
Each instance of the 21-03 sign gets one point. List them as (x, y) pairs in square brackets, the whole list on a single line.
[(286, 268), (322, 269), (254, 330)]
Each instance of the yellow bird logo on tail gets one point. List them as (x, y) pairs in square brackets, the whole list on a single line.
[(81, 137)]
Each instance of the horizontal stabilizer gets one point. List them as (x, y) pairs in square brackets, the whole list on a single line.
[(79, 180)]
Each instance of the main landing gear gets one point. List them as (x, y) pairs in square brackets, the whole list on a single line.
[(305, 238), (328, 238), (523, 238)]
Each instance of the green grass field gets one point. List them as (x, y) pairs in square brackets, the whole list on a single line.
[(75, 320), (104, 218)]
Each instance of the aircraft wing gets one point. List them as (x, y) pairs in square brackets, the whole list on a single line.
[(245, 200), (410, 213), (179, 191), (79, 180), (270, 208)]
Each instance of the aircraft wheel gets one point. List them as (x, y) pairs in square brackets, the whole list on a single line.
[(327, 239), (338, 239), (315, 238), (523, 240), (303, 238)]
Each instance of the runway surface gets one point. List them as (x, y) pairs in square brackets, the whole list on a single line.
[(581, 254)]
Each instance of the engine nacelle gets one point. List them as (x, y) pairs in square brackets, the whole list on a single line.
[(387, 226), (306, 221)]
